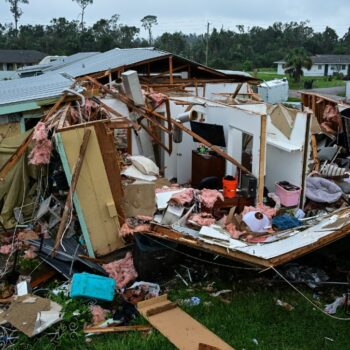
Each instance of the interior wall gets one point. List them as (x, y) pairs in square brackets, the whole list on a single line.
[(285, 157)]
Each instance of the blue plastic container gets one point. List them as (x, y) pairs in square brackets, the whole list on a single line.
[(87, 285)]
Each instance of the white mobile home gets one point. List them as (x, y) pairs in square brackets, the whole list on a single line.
[(322, 66)]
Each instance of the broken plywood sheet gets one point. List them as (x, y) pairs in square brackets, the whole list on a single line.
[(134, 199), (94, 200), (283, 118), (31, 314), (180, 328)]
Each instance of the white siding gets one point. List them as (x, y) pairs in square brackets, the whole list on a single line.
[(318, 70)]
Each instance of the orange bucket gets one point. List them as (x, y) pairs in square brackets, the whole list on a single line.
[(230, 186)]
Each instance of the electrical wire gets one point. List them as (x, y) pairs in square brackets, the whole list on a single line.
[(308, 299), (202, 260)]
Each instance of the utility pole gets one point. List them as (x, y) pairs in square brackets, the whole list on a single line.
[(207, 50)]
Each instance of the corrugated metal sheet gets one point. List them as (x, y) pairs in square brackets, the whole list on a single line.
[(59, 63), (33, 88), (110, 60)]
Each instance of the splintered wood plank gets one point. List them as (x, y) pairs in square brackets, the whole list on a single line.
[(93, 192), (180, 328)]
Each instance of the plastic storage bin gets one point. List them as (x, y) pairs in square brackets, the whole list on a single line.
[(288, 194), (92, 286)]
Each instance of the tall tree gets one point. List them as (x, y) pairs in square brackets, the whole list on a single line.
[(148, 22), (83, 4), (296, 60), (16, 10)]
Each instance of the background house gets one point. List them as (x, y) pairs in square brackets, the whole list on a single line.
[(11, 60), (323, 65)]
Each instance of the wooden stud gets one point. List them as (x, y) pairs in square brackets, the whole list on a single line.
[(144, 111), (159, 309), (117, 329), (111, 163), (171, 78), (262, 159)]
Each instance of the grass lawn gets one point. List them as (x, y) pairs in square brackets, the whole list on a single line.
[(248, 318), (319, 82)]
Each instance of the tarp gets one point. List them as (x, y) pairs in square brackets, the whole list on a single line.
[(18, 182)]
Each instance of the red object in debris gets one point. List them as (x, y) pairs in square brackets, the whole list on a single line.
[(230, 186)]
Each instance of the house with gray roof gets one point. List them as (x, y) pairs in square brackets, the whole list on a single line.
[(322, 65), (11, 60)]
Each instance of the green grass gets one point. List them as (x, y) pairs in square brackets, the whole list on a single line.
[(250, 312), (319, 82)]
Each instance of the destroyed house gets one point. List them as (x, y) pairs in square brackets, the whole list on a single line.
[(144, 143)]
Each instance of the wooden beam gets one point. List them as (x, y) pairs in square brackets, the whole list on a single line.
[(73, 185), (171, 78), (117, 329), (63, 116), (173, 236), (262, 159), (239, 86), (159, 309), (111, 163), (144, 111)]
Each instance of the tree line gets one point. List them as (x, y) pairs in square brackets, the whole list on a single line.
[(244, 48)]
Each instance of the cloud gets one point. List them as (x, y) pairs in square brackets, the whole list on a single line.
[(192, 15)]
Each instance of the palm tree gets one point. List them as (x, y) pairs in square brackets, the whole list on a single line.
[(296, 60)]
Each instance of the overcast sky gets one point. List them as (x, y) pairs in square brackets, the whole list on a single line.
[(192, 15)]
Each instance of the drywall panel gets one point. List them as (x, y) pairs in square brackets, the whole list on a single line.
[(285, 156), (93, 191), (283, 166)]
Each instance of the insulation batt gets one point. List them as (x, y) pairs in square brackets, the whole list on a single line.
[(128, 230), (40, 132), (41, 153), (202, 219), (182, 198), (167, 189), (209, 197), (268, 211), (99, 314), (30, 253), (144, 218), (6, 249), (234, 233), (122, 271)]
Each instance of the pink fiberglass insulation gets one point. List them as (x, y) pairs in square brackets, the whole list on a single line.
[(182, 198), (41, 153), (331, 122), (209, 197), (144, 218), (127, 230), (40, 132), (173, 187), (122, 271), (27, 235), (6, 249), (202, 219), (30, 253), (157, 98), (99, 314), (268, 211), (234, 233)]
